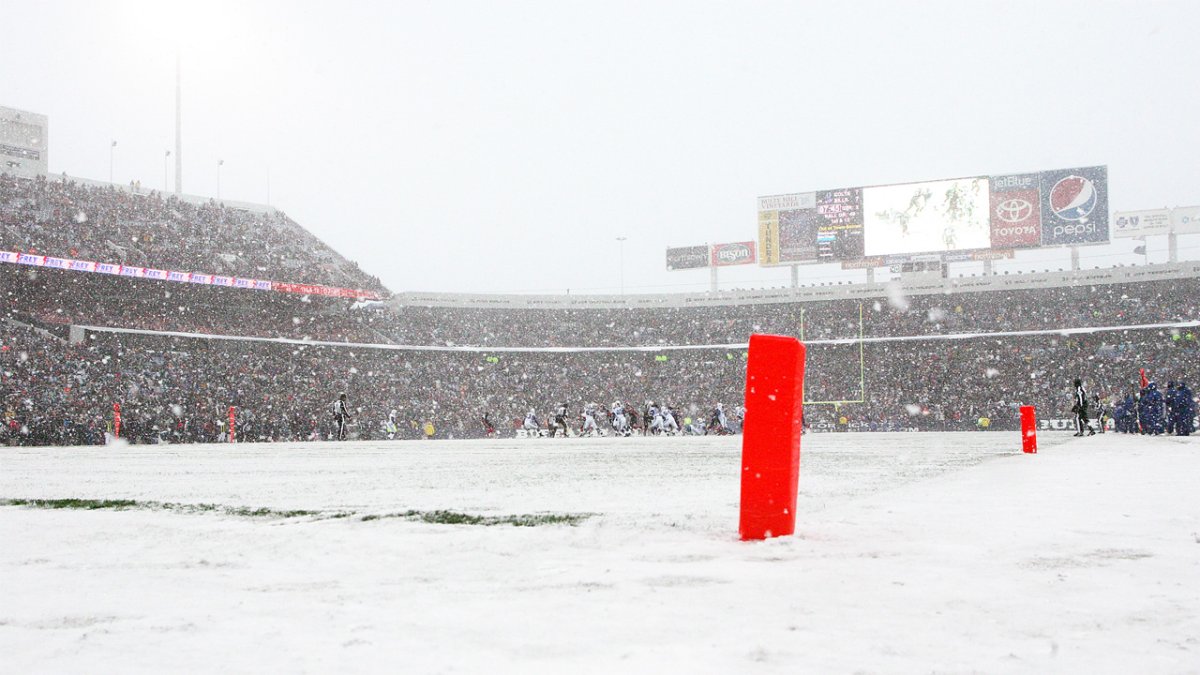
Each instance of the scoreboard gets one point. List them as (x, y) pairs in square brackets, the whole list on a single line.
[(1047, 208), (22, 142)]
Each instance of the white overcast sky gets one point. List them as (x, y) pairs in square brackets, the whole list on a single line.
[(493, 146)]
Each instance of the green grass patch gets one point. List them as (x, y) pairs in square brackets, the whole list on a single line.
[(129, 504), (439, 517), (87, 504), (442, 517)]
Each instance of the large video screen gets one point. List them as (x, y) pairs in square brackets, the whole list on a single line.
[(933, 217), (1059, 207)]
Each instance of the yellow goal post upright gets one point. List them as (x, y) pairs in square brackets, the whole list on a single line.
[(862, 369)]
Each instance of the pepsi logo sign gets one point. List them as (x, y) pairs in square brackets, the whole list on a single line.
[(1068, 230), (1073, 198)]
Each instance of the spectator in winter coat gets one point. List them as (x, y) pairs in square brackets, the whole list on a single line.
[(1184, 410), (1169, 401), (1151, 410)]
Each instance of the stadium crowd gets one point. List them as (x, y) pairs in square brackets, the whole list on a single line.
[(66, 297), (52, 297), (1017, 310), (58, 389), (67, 219), (174, 389)]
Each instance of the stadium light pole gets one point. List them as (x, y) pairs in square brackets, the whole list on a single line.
[(178, 126), (165, 158), (112, 149), (220, 162), (621, 262)]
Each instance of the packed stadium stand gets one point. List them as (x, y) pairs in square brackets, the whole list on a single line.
[(71, 219), (907, 355), (1047, 301), (1092, 298)]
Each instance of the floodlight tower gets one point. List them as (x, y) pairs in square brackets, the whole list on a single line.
[(621, 263), (178, 127)]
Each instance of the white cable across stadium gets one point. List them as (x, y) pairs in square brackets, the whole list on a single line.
[(647, 348)]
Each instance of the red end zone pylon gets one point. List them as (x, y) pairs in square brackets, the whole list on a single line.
[(1028, 430), (771, 436)]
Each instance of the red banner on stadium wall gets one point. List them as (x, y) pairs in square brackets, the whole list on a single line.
[(131, 271), (737, 253)]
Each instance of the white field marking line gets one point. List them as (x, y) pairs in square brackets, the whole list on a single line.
[(647, 348)]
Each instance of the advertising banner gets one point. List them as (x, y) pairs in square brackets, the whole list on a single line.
[(687, 257), (1074, 206), (1141, 223), (1016, 210), (16, 257), (737, 253), (864, 263), (768, 237), (292, 288), (1185, 219), (799, 200), (979, 256), (994, 254)]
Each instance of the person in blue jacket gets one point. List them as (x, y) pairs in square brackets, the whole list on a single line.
[(1119, 417), (1169, 401), (1128, 417), (1184, 410), (1151, 410)]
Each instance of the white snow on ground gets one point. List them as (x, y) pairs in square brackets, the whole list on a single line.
[(914, 553)]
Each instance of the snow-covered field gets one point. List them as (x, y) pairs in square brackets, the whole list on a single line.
[(914, 553)]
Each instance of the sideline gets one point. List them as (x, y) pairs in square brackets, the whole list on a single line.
[(647, 348)]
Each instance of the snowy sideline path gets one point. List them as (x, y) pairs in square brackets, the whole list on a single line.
[(915, 553)]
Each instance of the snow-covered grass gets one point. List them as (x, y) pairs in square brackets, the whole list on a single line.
[(913, 553), (441, 516)]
